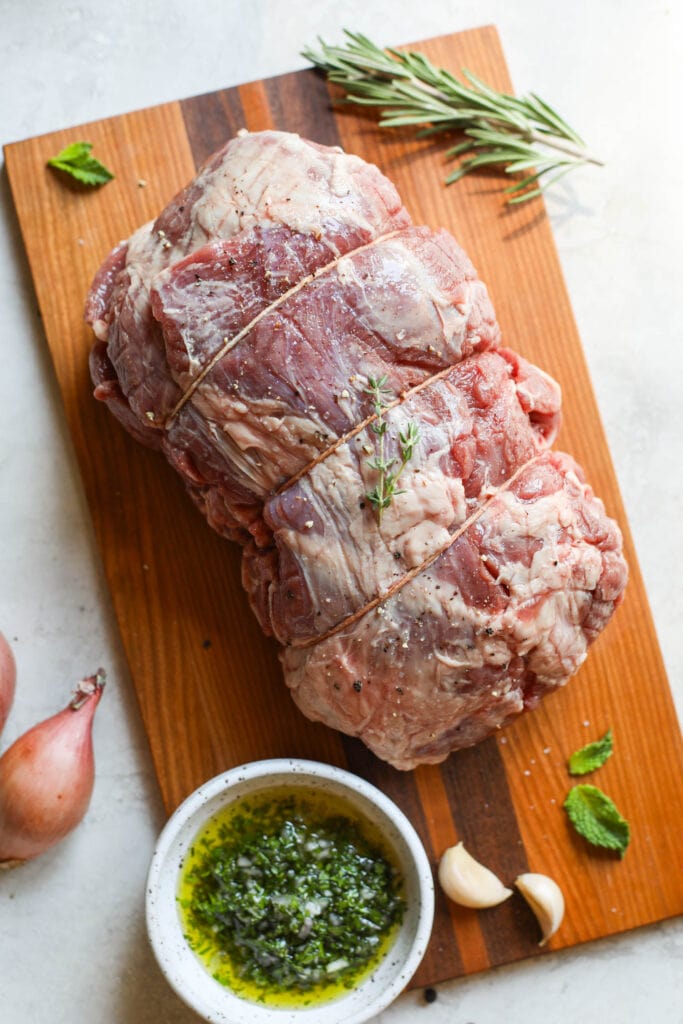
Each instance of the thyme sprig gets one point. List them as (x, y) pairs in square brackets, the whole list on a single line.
[(383, 493), (517, 133)]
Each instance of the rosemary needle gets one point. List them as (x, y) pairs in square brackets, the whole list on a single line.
[(520, 134)]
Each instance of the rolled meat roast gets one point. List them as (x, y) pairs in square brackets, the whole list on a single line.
[(244, 332)]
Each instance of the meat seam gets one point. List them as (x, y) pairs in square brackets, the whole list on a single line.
[(230, 343), (416, 569)]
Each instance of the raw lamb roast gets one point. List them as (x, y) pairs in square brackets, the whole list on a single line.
[(246, 333)]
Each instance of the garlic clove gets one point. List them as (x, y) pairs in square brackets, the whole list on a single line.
[(469, 883), (545, 898)]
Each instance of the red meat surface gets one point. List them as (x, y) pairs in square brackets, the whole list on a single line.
[(239, 334)]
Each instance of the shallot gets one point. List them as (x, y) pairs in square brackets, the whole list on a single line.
[(46, 777), (8, 678)]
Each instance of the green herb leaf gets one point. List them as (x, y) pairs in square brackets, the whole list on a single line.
[(410, 90), (286, 895), (592, 756), (75, 159), (381, 496), (595, 817)]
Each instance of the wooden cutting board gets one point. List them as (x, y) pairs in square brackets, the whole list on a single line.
[(209, 685)]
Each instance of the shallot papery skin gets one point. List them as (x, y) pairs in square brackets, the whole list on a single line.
[(47, 776), (8, 678)]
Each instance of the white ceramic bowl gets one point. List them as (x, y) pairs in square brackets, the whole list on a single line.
[(182, 968)]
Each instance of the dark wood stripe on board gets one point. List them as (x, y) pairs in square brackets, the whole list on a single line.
[(300, 103), (443, 834), (210, 120), (484, 816)]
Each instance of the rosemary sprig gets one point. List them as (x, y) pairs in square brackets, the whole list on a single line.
[(517, 133), (383, 493)]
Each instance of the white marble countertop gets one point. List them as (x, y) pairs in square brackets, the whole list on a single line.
[(72, 938)]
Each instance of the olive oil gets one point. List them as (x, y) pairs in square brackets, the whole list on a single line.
[(290, 897)]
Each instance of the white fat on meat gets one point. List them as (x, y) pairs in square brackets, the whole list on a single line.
[(238, 334)]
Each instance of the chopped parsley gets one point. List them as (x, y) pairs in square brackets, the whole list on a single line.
[(285, 895)]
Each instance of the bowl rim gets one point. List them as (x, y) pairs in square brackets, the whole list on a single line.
[(167, 857)]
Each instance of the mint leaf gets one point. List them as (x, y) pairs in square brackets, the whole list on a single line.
[(75, 151), (592, 756), (75, 159), (596, 818)]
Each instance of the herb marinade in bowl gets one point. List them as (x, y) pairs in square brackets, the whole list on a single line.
[(289, 890), (287, 900)]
